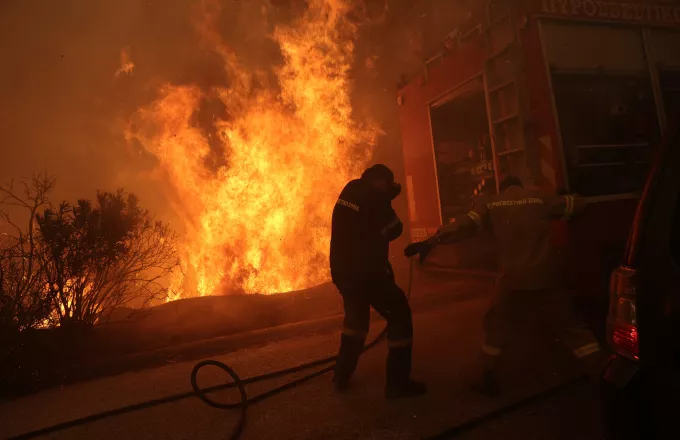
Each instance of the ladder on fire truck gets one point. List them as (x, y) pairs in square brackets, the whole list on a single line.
[(506, 108)]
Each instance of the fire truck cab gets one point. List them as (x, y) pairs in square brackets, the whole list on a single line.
[(568, 95)]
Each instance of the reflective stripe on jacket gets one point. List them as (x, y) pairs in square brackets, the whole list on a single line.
[(520, 220)]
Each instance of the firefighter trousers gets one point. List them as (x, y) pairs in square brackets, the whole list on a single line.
[(552, 310), (391, 302)]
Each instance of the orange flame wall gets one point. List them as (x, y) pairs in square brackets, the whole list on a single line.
[(260, 222)]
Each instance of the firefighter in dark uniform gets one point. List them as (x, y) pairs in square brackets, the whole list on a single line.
[(530, 283), (363, 225)]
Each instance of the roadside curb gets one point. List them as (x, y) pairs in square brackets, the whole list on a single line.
[(426, 299)]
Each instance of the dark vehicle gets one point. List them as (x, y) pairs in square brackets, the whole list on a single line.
[(641, 383)]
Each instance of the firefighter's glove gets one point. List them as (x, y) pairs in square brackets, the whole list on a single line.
[(421, 248)]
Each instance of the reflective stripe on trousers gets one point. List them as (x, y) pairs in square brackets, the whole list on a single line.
[(354, 333)]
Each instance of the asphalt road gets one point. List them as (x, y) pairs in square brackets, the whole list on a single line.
[(447, 338)]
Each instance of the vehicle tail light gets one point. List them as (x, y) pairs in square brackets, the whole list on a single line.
[(622, 330)]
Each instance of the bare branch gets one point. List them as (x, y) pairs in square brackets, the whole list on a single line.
[(23, 278)]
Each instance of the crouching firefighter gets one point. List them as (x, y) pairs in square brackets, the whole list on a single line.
[(363, 225), (530, 284)]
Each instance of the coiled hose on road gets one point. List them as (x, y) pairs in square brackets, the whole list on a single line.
[(245, 401), (202, 393), (241, 383)]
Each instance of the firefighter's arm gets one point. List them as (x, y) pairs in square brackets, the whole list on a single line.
[(464, 226), (381, 219), (566, 206), (393, 228), (461, 227)]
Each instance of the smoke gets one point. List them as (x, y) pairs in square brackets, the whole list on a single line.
[(61, 98)]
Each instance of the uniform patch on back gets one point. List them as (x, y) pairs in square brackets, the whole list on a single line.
[(350, 205), (520, 202)]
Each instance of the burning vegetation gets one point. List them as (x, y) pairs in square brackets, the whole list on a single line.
[(67, 265), (254, 187)]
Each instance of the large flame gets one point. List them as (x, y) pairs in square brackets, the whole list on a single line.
[(260, 221)]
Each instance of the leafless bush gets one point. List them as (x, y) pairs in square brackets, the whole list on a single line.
[(23, 303)]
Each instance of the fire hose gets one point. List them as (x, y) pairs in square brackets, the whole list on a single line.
[(245, 401), (202, 393)]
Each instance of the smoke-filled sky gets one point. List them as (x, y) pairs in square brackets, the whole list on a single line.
[(68, 86)]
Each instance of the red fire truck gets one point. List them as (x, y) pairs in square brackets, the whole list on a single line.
[(568, 95)]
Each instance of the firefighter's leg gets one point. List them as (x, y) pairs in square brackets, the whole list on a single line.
[(574, 332), (391, 302), (498, 326), (354, 331)]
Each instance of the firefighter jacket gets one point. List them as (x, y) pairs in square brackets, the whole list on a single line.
[(520, 220), (363, 225)]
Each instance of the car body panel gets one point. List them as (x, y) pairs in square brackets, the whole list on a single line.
[(641, 399)]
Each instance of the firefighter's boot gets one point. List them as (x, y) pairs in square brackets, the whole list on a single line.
[(487, 385), (399, 383), (350, 349)]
